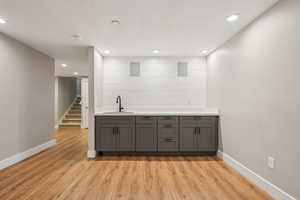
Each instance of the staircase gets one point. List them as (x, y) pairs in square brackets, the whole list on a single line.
[(73, 117)]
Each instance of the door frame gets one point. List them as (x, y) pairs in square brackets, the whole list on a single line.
[(84, 103)]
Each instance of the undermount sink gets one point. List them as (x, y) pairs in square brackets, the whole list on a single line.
[(119, 113)]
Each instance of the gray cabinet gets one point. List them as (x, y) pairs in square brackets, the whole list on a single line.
[(146, 134), (168, 140), (206, 139), (188, 139), (115, 134), (198, 134), (173, 134), (105, 139), (125, 139)]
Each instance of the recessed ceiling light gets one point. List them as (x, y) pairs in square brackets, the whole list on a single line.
[(2, 21), (75, 73), (76, 37), (204, 51), (107, 52), (64, 65), (156, 51), (232, 18)]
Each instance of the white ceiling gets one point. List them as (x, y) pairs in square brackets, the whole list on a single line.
[(175, 27)]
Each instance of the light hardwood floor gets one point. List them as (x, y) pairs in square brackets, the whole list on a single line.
[(64, 172)]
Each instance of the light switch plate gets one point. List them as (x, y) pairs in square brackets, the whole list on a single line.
[(271, 162)]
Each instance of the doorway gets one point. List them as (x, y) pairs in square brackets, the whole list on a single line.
[(71, 102)]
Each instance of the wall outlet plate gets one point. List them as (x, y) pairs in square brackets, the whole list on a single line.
[(271, 162)]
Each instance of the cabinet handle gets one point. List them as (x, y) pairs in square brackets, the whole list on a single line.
[(195, 131), (115, 131), (168, 126), (170, 140), (198, 131)]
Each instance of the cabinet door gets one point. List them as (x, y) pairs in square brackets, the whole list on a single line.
[(146, 138), (125, 139), (105, 140), (206, 139), (188, 139)]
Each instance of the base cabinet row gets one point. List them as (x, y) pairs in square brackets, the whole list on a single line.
[(156, 134)]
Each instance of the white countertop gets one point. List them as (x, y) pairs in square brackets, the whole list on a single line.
[(202, 112)]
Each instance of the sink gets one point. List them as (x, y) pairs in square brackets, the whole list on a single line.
[(119, 113)]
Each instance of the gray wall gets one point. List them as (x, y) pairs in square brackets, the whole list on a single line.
[(66, 93), (27, 97), (254, 80), (78, 87)]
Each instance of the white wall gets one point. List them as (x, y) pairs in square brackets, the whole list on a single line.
[(158, 87), (254, 80), (95, 94), (27, 97)]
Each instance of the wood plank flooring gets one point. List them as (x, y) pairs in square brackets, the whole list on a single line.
[(64, 172)]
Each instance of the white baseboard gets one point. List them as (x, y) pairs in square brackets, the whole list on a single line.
[(91, 154), (26, 154), (261, 182)]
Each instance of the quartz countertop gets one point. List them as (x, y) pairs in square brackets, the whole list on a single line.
[(201, 112)]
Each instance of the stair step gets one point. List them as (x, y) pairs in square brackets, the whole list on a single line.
[(77, 116), (75, 108), (69, 125), (74, 112), (71, 120)]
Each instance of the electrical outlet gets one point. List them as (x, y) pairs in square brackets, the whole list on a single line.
[(271, 162)]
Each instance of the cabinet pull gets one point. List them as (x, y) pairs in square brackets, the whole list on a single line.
[(168, 126), (198, 131), (115, 131), (170, 140)]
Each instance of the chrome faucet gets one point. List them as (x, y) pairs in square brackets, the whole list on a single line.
[(119, 101)]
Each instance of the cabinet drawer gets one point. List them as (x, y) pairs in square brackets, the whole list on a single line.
[(168, 144), (196, 121), (168, 125), (146, 120), (116, 120), (167, 132), (115, 125), (168, 120)]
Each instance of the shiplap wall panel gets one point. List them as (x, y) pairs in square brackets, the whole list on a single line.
[(158, 87)]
